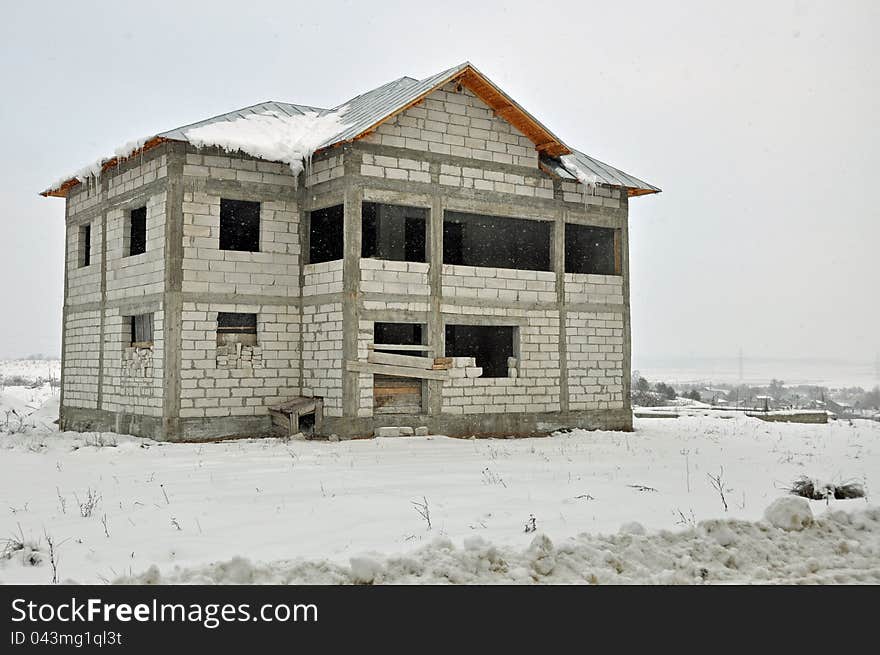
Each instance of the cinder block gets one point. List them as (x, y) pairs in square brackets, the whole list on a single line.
[(386, 432), (421, 431), (473, 371), (405, 431)]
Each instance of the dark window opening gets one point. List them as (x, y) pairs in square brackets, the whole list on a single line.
[(393, 232), (239, 225), (491, 345), (85, 245), (137, 231), (404, 334), (499, 242), (592, 250), (236, 328), (326, 234), (141, 330)]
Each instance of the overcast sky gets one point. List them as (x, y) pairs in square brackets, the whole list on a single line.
[(759, 120)]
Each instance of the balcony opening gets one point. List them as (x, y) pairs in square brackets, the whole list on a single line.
[(592, 250), (393, 232), (498, 242), (326, 234)]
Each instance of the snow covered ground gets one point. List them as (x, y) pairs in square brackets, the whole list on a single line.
[(122, 508)]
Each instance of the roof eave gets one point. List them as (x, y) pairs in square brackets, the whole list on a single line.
[(64, 188)]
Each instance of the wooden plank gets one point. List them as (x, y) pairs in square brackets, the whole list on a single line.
[(400, 360), (400, 371), (392, 346)]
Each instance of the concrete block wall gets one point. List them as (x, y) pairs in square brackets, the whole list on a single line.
[(366, 335), (137, 275), (324, 170), (504, 284), (84, 282), (274, 270), (395, 168), (598, 289), (537, 385), (600, 196), (594, 350), (457, 123), (394, 277), (211, 390), (133, 379), (468, 177), (322, 354), (238, 168), (82, 339), (322, 278), (134, 177)]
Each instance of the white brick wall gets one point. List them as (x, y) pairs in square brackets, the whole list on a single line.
[(142, 274), (594, 343), (274, 270), (324, 170), (81, 351), (456, 123), (386, 276), (209, 390), (601, 289), (322, 355), (325, 277), (238, 168), (600, 196), (536, 387), (135, 177), (84, 283), (133, 383), (505, 284), (396, 168)]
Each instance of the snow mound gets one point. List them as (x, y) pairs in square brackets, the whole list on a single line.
[(789, 513), (838, 547), (272, 136)]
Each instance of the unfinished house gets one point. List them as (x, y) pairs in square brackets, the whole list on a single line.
[(426, 255)]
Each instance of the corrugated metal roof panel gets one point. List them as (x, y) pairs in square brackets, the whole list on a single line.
[(283, 108), (605, 173), (364, 111)]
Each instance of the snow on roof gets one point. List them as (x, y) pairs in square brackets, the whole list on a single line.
[(272, 135), (292, 133)]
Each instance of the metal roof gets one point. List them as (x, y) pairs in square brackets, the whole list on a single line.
[(605, 173), (362, 113), (282, 108)]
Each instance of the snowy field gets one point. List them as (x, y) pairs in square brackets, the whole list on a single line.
[(119, 508)]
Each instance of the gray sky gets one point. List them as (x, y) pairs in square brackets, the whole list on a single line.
[(758, 120)]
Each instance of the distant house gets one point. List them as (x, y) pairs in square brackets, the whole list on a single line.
[(426, 254), (713, 396)]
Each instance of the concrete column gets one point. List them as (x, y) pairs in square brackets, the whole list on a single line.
[(557, 254), (436, 334), (104, 181), (351, 279), (627, 334), (172, 299)]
